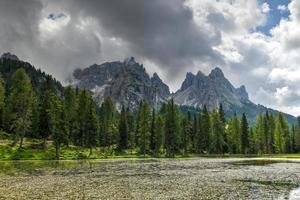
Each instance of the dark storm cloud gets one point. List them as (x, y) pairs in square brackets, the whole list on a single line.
[(162, 31), (18, 24)]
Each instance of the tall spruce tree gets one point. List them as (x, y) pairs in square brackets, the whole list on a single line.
[(131, 129), (108, 127), (57, 123), (172, 129), (71, 106), (222, 116), (244, 134), (2, 97), (297, 136), (233, 135), (186, 131), (205, 129), (20, 105), (196, 137), (123, 130), (217, 142), (281, 133), (44, 117), (259, 134), (83, 108), (152, 131), (92, 128), (144, 127), (158, 135)]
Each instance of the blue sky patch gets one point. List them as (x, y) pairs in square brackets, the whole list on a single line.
[(275, 15)]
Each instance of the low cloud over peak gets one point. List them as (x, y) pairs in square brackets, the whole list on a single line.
[(171, 37)]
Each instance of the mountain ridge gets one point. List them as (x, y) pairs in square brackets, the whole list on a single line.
[(128, 83), (196, 90)]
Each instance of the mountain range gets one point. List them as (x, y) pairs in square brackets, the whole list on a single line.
[(127, 83)]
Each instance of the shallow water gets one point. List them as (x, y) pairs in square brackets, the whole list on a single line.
[(201, 178)]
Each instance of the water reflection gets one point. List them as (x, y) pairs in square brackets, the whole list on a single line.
[(295, 194)]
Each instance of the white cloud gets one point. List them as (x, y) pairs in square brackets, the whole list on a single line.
[(215, 33), (282, 8), (265, 8)]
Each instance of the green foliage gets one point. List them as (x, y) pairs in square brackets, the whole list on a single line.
[(172, 129), (108, 125), (244, 134), (123, 130), (205, 130), (71, 125), (2, 98), (20, 105), (144, 127)]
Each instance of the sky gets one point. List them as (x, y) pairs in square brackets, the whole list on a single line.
[(255, 42)]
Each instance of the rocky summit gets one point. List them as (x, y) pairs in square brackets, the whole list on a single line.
[(199, 90), (125, 82)]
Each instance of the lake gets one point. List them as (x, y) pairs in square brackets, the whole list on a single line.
[(195, 178)]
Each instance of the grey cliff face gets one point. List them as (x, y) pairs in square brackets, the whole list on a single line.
[(128, 83), (199, 90), (125, 82)]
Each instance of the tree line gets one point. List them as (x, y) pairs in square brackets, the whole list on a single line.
[(73, 118)]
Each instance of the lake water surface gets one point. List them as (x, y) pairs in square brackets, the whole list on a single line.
[(197, 178)]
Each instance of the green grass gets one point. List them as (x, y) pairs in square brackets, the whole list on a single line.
[(32, 150)]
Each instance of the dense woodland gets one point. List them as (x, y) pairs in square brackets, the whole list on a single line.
[(73, 118)]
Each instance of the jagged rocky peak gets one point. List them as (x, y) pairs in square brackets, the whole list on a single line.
[(9, 56), (125, 82), (242, 92), (198, 90), (216, 73), (200, 74), (160, 86), (130, 61), (188, 81)]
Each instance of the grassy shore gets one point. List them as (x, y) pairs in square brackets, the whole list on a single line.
[(33, 150)]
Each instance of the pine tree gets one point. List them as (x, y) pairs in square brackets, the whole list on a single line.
[(233, 135), (271, 134), (71, 105), (196, 134), (172, 128), (131, 129), (186, 131), (108, 128), (217, 142), (2, 97), (44, 118), (252, 147), (244, 134), (20, 105), (222, 116), (92, 128), (259, 134), (266, 132), (144, 127), (123, 130), (281, 133), (57, 123), (206, 129), (158, 137), (297, 136), (152, 131), (293, 139), (83, 108)]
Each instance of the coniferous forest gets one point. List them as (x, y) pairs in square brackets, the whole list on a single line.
[(72, 118)]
